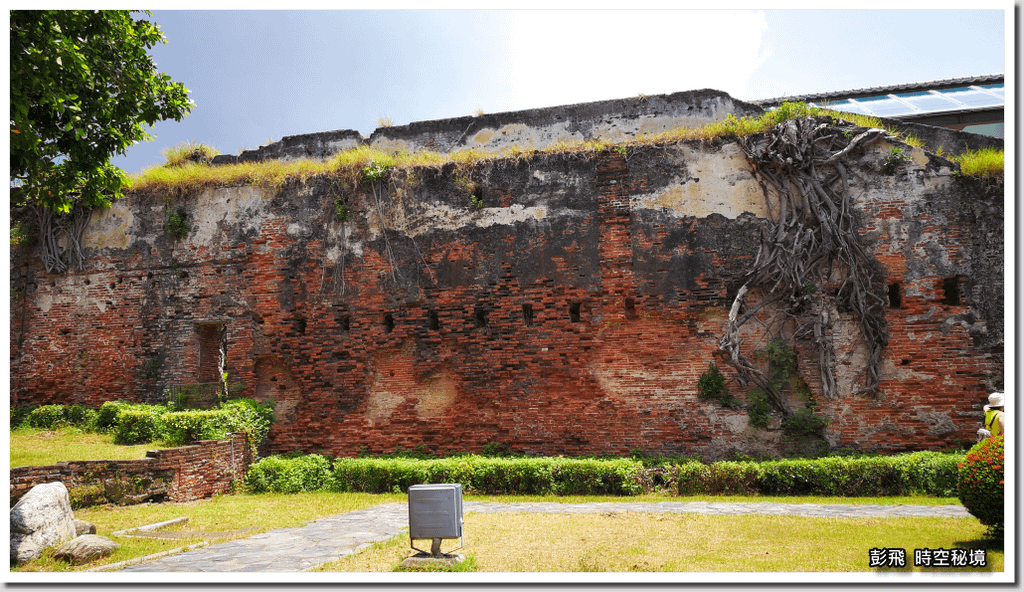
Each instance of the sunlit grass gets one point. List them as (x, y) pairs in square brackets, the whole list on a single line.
[(264, 512), (347, 164), (194, 176), (643, 542), (986, 162), (34, 447), (184, 152), (251, 514)]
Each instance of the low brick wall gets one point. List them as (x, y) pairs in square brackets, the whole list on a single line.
[(180, 474)]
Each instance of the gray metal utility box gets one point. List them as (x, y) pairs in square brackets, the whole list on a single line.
[(435, 511)]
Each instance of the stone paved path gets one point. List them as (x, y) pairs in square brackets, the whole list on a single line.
[(327, 539)]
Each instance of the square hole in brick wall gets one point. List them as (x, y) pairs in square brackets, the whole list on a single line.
[(480, 316), (951, 291), (574, 312), (212, 340), (389, 323), (895, 295), (433, 322), (630, 307), (528, 315)]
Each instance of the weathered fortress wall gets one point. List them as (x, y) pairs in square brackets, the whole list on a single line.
[(572, 313), (615, 121)]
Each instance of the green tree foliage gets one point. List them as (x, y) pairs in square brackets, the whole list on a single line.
[(83, 88)]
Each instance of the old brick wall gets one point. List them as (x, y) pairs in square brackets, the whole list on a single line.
[(180, 474), (571, 314)]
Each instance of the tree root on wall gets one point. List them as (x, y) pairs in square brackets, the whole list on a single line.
[(55, 228), (811, 263)]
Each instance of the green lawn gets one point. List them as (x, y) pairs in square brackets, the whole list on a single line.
[(33, 447), (690, 543), (567, 542), (523, 542)]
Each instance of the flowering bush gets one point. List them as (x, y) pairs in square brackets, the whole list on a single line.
[(981, 482)]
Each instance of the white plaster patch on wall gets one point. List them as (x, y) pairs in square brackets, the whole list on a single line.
[(44, 301), (389, 145), (720, 183), (895, 233), (110, 228), (243, 206), (521, 135), (619, 129), (891, 371), (736, 424), (339, 145), (437, 216), (298, 230), (343, 246)]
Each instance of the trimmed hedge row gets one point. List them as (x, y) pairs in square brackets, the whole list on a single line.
[(929, 473), (137, 423), (49, 417), (477, 474)]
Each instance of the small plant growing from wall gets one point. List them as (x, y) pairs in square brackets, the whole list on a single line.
[(759, 410), (781, 361), (476, 199), (375, 172), (466, 183), (804, 422), (782, 372), (151, 368), (894, 160), (341, 208), (177, 224), (711, 385)]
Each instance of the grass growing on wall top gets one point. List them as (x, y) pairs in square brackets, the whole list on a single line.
[(986, 162), (188, 176), (185, 152)]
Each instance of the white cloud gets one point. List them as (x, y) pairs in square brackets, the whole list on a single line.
[(561, 57)]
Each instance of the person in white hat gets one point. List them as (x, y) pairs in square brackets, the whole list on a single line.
[(994, 417)]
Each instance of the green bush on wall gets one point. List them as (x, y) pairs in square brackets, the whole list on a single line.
[(981, 487), (711, 385), (138, 424)]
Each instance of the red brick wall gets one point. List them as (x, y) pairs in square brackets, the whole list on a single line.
[(175, 474), (433, 350)]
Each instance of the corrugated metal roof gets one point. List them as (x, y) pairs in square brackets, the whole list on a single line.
[(885, 90)]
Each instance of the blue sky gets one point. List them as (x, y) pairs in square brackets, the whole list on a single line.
[(257, 76)]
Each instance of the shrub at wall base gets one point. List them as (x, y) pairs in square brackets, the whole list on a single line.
[(981, 483)]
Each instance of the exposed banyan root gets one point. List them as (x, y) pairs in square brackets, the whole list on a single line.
[(810, 241)]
